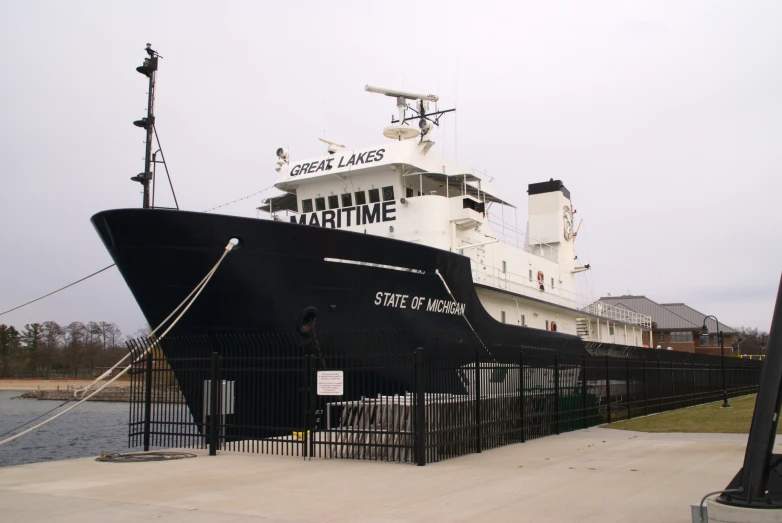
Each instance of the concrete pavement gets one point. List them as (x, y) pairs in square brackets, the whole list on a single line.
[(593, 475)]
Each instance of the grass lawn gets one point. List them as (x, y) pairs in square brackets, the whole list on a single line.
[(710, 417)]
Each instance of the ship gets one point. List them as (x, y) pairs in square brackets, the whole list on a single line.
[(383, 237), (391, 237)]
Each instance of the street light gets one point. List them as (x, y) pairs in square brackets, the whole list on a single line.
[(705, 332)]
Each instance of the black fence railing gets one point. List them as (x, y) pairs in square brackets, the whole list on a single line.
[(369, 395)]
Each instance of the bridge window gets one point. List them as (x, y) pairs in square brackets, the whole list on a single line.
[(388, 193), (333, 202), (681, 337), (320, 204), (347, 200), (306, 205), (361, 198), (374, 195)]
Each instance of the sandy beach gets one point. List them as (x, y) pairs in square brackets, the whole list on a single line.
[(24, 385)]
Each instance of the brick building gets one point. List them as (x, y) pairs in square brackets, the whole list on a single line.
[(677, 326)]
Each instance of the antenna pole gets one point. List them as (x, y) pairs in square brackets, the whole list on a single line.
[(148, 69)]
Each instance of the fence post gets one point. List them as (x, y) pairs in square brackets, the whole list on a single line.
[(673, 388), (214, 404), (584, 403), (420, 409), (608, 392), (709, 372), (694, 393), (148, 402), (478, 431), (556, 394), (646, 391), (521, 396), (684, 384), (660, 382), (627, 388)]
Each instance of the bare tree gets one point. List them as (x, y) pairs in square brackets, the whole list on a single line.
[(74, 344), (32, 338), (52, 334)]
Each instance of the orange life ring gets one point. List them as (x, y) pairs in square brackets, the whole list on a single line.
[(553, 326)]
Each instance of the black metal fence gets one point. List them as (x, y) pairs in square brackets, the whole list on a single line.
[(370, 395)]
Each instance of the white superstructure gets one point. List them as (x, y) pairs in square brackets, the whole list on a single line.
[(404, 190)]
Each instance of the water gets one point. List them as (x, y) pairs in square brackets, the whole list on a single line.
[(87, 430)]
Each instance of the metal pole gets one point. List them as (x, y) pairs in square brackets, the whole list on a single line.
[(584, 391), (754, 475), (214, 404), (521, 396), (725, 403), (627, 387), (556, 394), (608, 391), (148, 403), (646, 390), (420, 409), (478, 431)]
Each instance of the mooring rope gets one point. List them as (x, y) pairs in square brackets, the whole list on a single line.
[(58, 290), (437, 272), (155, 342)]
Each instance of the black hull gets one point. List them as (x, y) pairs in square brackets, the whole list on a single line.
[(281, 269)]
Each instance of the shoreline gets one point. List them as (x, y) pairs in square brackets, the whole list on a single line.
[(63, 384)]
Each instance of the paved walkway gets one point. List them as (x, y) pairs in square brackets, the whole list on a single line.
[(594, 475)]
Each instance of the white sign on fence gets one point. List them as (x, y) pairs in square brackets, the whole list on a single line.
[(331, 383)]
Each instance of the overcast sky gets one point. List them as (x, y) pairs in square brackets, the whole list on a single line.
[(664, 119)]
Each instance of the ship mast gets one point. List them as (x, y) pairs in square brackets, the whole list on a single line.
[(148, 69)]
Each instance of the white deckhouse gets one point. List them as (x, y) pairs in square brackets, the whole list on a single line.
[(404, 190)]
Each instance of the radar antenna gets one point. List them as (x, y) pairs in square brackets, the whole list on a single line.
[(332, 146), (426, 121)]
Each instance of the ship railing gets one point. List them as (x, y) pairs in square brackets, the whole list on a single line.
[(530, 287), (509, 234), (524, 285), (612, 312)]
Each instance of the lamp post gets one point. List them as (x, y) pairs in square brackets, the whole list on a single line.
[(705, 332)]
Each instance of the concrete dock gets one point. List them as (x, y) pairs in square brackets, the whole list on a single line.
[(593, 475)]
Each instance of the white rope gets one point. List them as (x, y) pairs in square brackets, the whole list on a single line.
[(200, 287), (437, 272)]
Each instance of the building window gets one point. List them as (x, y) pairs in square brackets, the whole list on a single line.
[(523, 321), (333, 202), (661, 337), (388, 193), (502, 316), (409, 192), (361, 198), (306, 205), (504, 266), (681, 336), (374, 195), (347, 200), (320, 204)]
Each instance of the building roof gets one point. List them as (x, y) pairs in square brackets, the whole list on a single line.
[(664, 318), (667, 316), (690, 314)]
